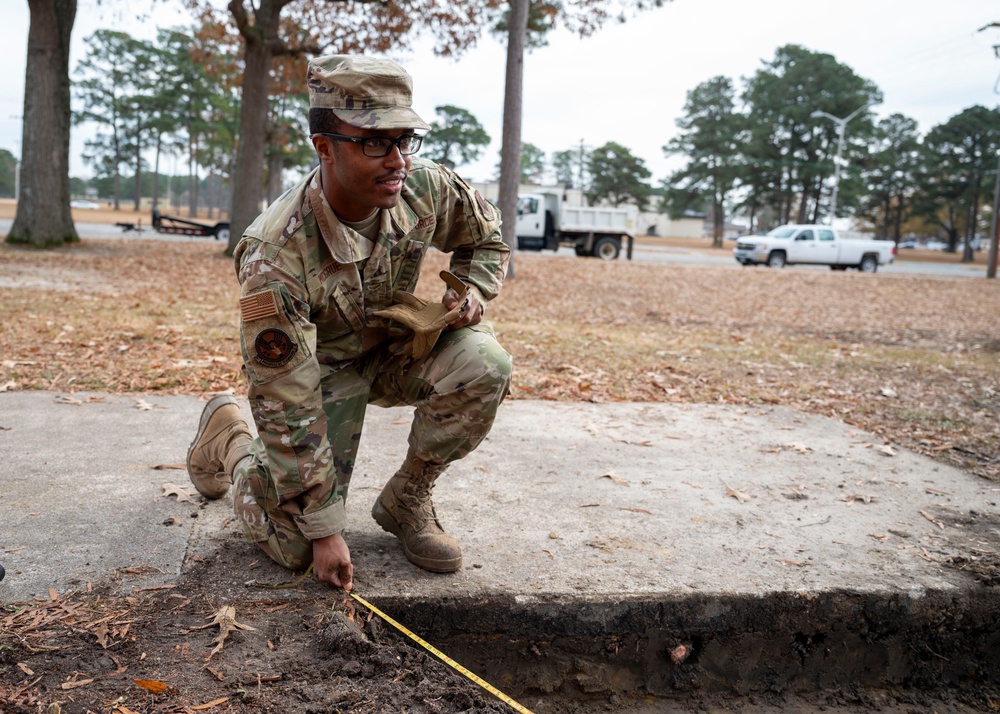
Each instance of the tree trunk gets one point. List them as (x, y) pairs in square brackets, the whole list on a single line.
[(248, 176), (275, 165), (718, 224), (510, 150), (43, 217), (156, 171), (138, 175), (192, 179)]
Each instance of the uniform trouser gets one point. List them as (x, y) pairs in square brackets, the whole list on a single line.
[(456, 390)]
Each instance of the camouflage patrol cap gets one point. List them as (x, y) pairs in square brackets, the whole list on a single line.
[(365, 92)]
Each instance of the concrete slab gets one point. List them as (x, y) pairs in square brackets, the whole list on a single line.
[(600, 501)]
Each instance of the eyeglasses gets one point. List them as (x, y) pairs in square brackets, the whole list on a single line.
[(377, 146)]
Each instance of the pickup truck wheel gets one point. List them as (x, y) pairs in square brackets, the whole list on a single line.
[(869, 264), (776, 260), (606, 248)]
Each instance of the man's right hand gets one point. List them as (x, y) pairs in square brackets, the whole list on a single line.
[(332, 561)]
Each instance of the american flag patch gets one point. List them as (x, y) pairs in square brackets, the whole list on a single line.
[(254, 307)]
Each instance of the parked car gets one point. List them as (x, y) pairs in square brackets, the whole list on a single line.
[(935, 245), (84, 204), (908, 243)]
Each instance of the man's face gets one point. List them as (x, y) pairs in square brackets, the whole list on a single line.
[(356, 184)]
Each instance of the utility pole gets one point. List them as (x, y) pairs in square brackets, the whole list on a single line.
[(991, 263)]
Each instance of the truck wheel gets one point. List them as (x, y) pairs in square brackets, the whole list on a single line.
[(222, 233), (869, 264), (607, 248), (776, 259)]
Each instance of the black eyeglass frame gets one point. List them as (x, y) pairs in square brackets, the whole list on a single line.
[(363, 140)]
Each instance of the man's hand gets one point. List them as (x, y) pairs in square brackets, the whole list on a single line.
[(472, 313), (332, 561)]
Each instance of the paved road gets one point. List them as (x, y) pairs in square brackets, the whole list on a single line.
[(641, 254), (724, 259)]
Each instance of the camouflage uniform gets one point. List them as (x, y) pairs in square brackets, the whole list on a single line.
[(315, 356)]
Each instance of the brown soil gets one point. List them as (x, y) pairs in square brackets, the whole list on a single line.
[(913, 359)]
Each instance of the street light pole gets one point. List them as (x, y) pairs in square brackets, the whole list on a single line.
[(841, 129)]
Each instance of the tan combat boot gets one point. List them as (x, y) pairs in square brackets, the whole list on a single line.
[(405, 509), (222, 441)]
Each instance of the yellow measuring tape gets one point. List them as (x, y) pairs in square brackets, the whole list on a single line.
[(420, 641), (444, 658)]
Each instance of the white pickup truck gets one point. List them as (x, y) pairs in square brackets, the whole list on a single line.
[(813, 244), (544, 220)]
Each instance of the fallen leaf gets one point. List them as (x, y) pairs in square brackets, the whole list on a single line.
[(24, 668), (801, 448), (122, 709), (101, 633), (889, 392), (864, 498), (152, 685), (738, 495), (63, 399), (632, 443), (183, 493), (932, 519), (225, 618), (615, 477), (590, 505), (164, 467), (937, 491), (798, 563), (142, 405), (215, 674), (211, 704), (8, 386), (878, 537), (887, 450), (77, 683), (637, 510)]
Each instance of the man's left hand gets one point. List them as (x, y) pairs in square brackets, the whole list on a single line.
[(470, 315)]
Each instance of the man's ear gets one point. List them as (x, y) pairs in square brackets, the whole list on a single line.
[(324, 148)]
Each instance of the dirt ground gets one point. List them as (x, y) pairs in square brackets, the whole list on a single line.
[(311, 650), (913, 359)]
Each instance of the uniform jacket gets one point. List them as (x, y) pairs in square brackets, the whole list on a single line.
[(309, 286)]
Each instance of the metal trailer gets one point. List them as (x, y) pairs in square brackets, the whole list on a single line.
[(182, 226)]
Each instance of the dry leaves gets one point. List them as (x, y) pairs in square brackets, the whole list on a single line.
[(615, 478), (740, 496), (225, 619), (183, 493), (641, 332)]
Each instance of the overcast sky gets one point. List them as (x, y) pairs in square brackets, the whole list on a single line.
[(628, 83)]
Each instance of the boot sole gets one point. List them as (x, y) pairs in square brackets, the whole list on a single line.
[(389, 525), (214, 404)]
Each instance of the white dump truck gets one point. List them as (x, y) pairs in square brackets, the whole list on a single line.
[(816, 245), (545, 221)]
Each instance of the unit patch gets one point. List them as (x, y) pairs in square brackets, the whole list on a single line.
[(274, 348)]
